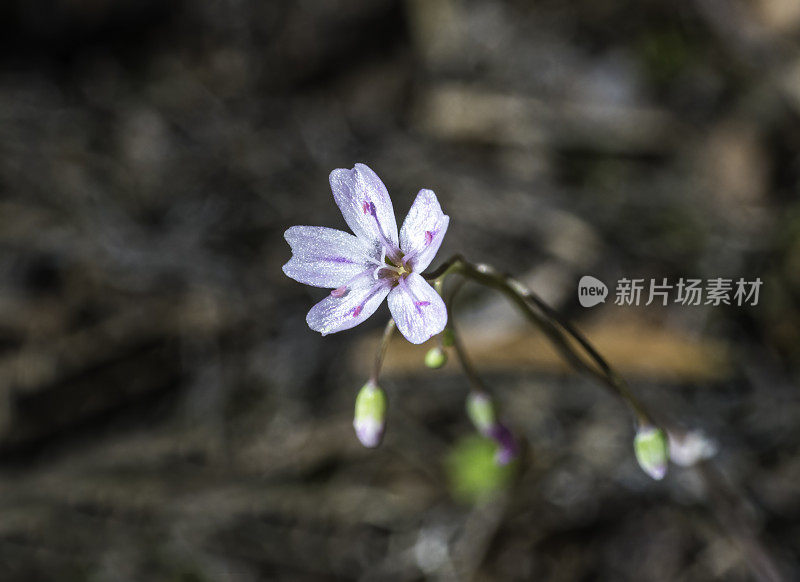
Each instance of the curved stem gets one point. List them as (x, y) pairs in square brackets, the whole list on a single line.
[(728, 501), (381, 353), (557, 329), (475, 381)]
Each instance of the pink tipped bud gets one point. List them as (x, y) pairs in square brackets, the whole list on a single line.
[(507, 449), (482, 414), (369, 420), (652, 451)]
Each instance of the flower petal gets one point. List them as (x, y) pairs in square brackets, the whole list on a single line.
[(417, 309), (325, 257), (339, 312), (366, 206), (423, 230)]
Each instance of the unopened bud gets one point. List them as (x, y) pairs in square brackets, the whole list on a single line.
[(507, 449), (370, 416), (435, 358), (481, 412), (652, 453), (448, 338)]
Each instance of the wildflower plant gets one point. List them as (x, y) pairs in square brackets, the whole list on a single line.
[(378, 262)]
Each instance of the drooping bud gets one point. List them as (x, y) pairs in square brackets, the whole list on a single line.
[(652, 452), (507, 449), (481, 412), (435, 358), (370, 415)]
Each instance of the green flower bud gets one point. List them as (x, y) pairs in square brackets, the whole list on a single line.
[(652, 452), (448, 338), (481, 412), (370, 415), (435, 358)]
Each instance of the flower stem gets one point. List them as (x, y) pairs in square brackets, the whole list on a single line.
[(476, 383), (728, 501), (381, 353), (571, 343)]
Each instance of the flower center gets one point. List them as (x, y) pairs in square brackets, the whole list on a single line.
[(395, 271)]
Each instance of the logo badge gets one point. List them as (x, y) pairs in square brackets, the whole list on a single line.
[(591, 291)]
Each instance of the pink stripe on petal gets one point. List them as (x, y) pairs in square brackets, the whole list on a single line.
[(325, 257), (423, 230), (406, 301), (365, 205), (364, 296)]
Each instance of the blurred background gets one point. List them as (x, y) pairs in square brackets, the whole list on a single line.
[(166, 414)]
